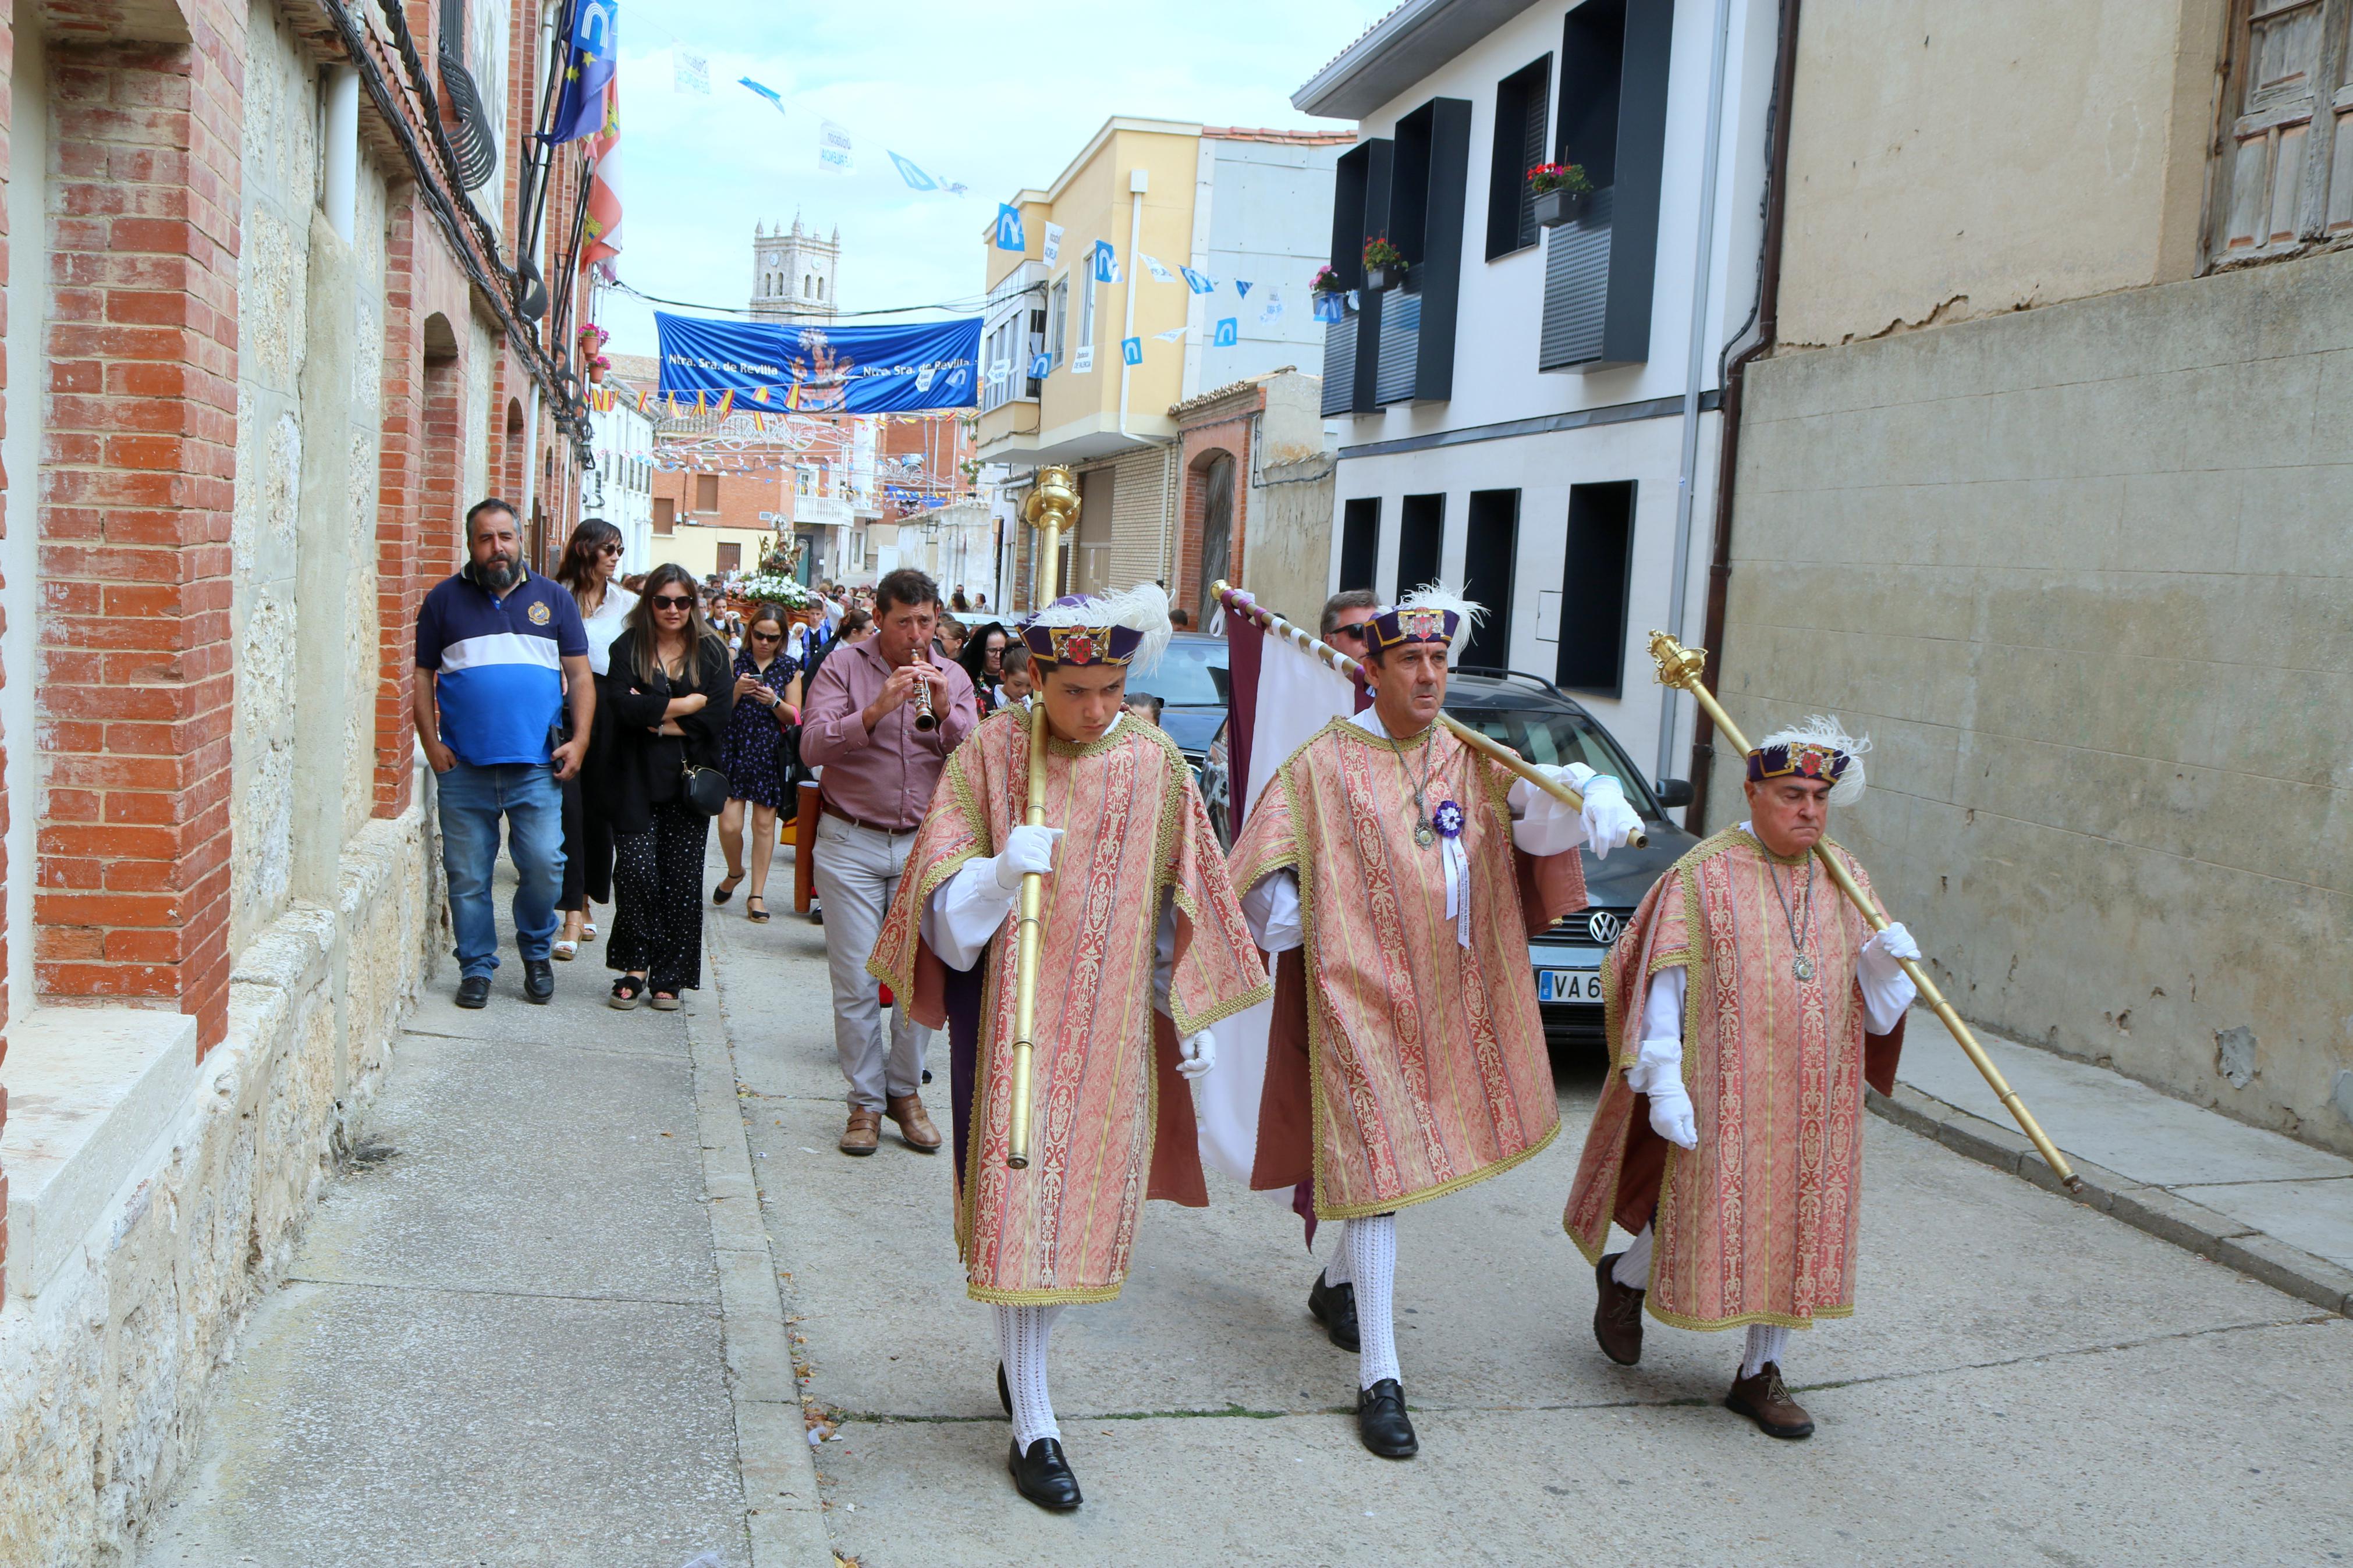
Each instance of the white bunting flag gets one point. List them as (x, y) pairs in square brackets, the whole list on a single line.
[(836, 151), (1160, 274), (1172, 334), (690, 72), (1273, 311), (1053, 250)]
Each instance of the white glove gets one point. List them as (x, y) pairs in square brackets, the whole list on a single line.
[(1197, 1054), (1609, 822), (1885, 947), (1027, 849), (1887, 990), (1658, 1073)]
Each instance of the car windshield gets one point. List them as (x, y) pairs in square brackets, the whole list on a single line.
[(1186, 675), (1559, 739)]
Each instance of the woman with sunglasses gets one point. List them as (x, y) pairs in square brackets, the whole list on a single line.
[(767, 700), (668, 694), (592, 560)]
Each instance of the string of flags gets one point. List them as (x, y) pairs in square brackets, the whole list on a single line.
[(836, 145)]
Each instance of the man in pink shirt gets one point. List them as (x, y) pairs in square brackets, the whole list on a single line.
[(878, 759)]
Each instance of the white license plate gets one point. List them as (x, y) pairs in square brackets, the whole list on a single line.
[(1569, 986)]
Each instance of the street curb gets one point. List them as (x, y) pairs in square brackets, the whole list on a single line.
[(2162, 1214), (784, 1517)]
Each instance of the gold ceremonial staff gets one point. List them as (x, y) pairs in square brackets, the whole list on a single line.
[(1049, 509), (1679, 667), (1275, 624)]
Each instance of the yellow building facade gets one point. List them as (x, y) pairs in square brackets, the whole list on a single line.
[(1236, 207)]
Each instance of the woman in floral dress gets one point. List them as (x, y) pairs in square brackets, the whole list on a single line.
[(767, 699)]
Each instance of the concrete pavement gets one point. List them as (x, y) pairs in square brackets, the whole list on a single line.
[(533, 1322), (2025, 1378), (2256, 1200), (540, 1321)]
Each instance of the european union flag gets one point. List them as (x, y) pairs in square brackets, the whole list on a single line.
[(1008, 228), (587, 71)]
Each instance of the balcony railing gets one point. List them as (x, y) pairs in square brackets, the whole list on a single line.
[(1397, 378)]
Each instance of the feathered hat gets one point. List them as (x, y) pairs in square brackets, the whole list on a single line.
[(1815, 748), (1431, 613), (1130, 629)]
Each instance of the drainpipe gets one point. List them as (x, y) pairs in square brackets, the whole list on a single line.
[(1696, 365), (1769, 305), (1138, 181)]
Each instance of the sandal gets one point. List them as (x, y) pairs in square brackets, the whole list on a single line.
[(627, 992), (665, 1000), (588, 931), (726, 888), (760, 914), (563, 950)]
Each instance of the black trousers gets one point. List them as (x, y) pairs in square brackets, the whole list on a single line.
[(587, 851), (658, 895)]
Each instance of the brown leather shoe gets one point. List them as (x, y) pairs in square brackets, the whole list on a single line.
[(1617, 1315), (1765, 1399), (915, 1123), (864, 1133)]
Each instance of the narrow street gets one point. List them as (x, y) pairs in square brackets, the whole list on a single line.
[(2025, 1378), (535, 1324)]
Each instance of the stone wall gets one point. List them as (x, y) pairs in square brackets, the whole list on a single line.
[(103, 1374), (2083, 573)]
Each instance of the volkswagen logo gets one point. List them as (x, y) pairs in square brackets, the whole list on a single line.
[(1602, 927)]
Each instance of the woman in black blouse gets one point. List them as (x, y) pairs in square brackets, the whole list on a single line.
[(983, 659), (666, 696)]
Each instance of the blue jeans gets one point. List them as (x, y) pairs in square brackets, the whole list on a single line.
[(473, 799)]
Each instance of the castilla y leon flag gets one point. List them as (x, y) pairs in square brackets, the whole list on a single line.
[(1280, 697)]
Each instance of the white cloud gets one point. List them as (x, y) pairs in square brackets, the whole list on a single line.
[(996, 96)]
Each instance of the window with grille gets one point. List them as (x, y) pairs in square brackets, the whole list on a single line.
[(1521, 109), (2286, 174)]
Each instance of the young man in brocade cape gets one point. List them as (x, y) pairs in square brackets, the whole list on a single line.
[(1143, 948), (1399, 874), (1747, 1004)]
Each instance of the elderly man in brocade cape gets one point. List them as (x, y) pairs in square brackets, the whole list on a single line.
[(1399, 874), (1747, 1004), (1144, 947)]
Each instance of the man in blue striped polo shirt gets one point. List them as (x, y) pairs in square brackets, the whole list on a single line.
[(498, 653)]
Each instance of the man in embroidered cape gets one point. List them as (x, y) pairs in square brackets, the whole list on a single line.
[(1399, 874), (1144, 948), (1747, 1004)]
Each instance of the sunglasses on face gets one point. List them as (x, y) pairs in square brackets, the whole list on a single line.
[(767, 636), (672, 602), (608, 550)]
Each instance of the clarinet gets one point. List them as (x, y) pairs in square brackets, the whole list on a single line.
[(925, 720)]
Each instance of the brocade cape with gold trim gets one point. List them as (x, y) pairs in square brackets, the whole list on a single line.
[(1757, 1225), (1111, 1122), (1416, 1064)]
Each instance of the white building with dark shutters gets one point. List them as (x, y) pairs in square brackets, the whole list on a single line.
[(1532, 412)]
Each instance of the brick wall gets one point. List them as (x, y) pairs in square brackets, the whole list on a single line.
[(139, 465), (7, 122), (1199, 447)]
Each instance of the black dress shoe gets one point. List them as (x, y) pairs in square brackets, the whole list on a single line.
[(1381, 1421), (1043, 1476), (538, 980), (1335, 1307), (1004, 1395), (474, 991)]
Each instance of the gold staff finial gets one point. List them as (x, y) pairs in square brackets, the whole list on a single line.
[(1679, 667)]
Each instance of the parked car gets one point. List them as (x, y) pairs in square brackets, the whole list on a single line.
[(1544, 724), (1190, 681)]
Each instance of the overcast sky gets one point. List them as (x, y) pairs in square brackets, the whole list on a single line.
[(997, 96)]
